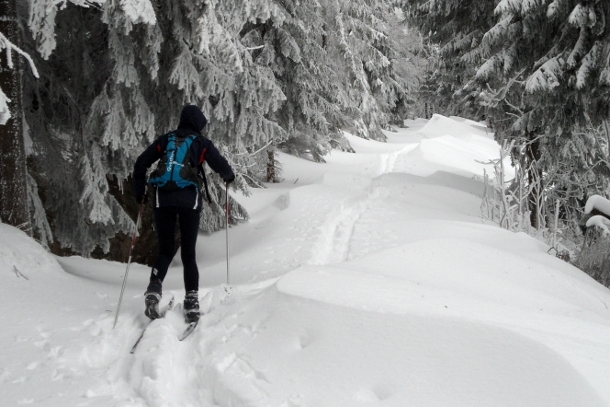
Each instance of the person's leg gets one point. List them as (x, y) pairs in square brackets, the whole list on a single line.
[(189, 229), (165, 226), (165, 223)]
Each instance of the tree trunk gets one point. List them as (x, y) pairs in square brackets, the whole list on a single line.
[(533, 154), (13, 188), (271, 176)]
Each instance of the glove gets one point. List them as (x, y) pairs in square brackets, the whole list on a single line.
[(139, 190), (229, 178)]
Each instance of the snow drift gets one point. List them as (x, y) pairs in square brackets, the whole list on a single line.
[(367, 281)]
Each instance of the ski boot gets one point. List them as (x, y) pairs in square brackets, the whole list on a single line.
[(152, 298), (191, 306)]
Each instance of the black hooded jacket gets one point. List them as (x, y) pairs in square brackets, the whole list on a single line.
[(192, 121)]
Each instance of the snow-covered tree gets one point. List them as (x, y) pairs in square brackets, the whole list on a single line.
[(453, 31), (13, 177), (541, 76), (268, 74), (549, 61)]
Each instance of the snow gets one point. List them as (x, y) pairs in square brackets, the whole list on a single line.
[(601, 222), (599, 203), (5, 112), (370, 280), (139, 11)]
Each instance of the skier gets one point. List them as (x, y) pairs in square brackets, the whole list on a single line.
[(181, 200)]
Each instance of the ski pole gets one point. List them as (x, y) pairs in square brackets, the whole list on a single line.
[(227, 227), (133, 243)]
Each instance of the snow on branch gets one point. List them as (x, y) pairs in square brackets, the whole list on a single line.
[(528, 6), (553, 9), (499, 31), (546, 77), (597, 202), (9, 46), (589, 63), (582, 16), (5, 113), (507, 6), (602, 205), (601, 222), (604, 76), (139, 11), (6, 44), (522, 7)]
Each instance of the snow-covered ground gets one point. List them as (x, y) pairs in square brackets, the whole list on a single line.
[(367, 281)]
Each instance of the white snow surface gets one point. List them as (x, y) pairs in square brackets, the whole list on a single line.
[(139, 11), (370, 280), (599, 203)]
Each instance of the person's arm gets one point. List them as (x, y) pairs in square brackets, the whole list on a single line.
[(216, 161), (152, 153)]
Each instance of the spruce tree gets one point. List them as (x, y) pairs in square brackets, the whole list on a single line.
[(453, 30), (549, 60), (267, 74), (13, 177), (541, 76)]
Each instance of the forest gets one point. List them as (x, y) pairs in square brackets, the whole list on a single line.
[(85, 86)]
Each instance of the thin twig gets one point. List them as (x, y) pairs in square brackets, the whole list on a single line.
[(19, 273), (257, 151)]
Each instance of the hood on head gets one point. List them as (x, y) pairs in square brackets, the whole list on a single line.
[(192, 118)]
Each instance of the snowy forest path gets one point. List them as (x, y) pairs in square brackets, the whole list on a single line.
[(389, 239), (361, 195), (202, 367)]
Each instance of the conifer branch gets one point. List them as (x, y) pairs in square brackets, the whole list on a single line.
[(5, 43)]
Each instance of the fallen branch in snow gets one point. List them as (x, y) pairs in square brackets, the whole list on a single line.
[(19, 274)]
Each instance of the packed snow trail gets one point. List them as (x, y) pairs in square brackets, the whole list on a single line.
[(369, 280)]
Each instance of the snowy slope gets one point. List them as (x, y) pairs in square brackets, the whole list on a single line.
[(367, 281)]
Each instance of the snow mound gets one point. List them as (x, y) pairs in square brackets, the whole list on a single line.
[(290, 348), (450, 154), (432, 270), (440, 125), (370, 280), (407, 298), (22, 255), (476, 125)]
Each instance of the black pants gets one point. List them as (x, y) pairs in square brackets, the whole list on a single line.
[(165, 224)]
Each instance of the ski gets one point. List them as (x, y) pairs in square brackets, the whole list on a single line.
[(169, 306), (189, 329)]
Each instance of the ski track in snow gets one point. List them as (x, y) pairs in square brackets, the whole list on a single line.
[(223, 362), (333, 245), (220, 376), (337, 230), (162, 366)]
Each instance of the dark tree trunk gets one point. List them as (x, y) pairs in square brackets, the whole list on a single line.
[(13, 187), (271, 175), (146, 248), (534, 173)]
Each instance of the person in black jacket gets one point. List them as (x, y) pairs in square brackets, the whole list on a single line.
[(182, 204)]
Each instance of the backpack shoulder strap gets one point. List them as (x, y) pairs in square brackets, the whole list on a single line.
[(205, 183), (190, 139), (164, 140), (202, 171)]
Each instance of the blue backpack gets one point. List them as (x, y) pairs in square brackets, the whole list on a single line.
[(175, 169)]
